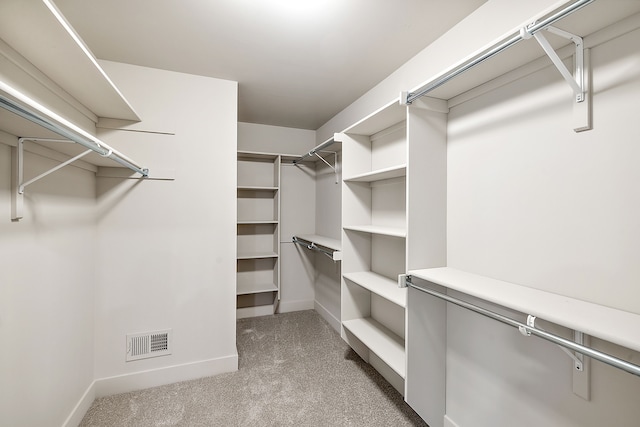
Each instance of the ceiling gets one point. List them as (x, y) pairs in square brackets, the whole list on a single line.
[(298, 62)]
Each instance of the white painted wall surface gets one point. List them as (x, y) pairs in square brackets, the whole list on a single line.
[(167, 248), (47, 275), (532, 202)]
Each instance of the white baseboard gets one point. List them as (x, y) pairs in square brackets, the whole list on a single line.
[(168, 375), (83, 405), (289, 306), (328, 316), (448, 422)]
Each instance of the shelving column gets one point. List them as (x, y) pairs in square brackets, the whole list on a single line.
[(258, 234), (374, 240)]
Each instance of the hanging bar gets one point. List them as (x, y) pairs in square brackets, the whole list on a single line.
[(314, 150), (323, 245), (594, 354), (407, 98), (29, 109)]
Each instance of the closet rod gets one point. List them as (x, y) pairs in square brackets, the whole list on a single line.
[(40, 115), (409, 97), (594, 354), (314, 150), (312, 246)]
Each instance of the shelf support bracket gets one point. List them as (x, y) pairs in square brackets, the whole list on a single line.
[(581, 373), (579, 81), (19, 184), (335, 162)]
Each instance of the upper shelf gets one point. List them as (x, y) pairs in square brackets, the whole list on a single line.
[(40, 34), (616, 326)]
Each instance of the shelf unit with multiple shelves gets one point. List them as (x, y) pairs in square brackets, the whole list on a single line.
[(394, 180), (258, 234)]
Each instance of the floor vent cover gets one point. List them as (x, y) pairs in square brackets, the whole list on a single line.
[(148, 344)]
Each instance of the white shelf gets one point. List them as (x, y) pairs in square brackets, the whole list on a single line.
[(384, 117), (385, 344), (616, 326), (255, 288), (376, 229), (258, 222), (257, 155), (257, 255), (30, 27), (378, 175), (379, 285), (256, 188)]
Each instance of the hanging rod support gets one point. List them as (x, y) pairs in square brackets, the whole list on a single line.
[(578, 339), (20, 171), (576, 81)]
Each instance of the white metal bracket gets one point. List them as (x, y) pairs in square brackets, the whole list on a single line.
[(333, 167), (576, 81), (19, 184), (581, 375), (579, 81)]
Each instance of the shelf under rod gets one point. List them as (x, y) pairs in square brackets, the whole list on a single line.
[(594, 354), (314, 150), (38, 114), (530, 31)]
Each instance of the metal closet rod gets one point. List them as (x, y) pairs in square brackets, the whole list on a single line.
[(530, 31), (36, 113), (314, 150), (594, 354), (312, 246)]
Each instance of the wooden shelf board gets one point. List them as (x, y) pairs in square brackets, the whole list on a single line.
[(256, 155), (379, 285), (258, 222), (378, 175), (376, 229), (256, 188), (383, 118), (257, 255), (616, 326), (380, 340), (255, 288), (28, 27)]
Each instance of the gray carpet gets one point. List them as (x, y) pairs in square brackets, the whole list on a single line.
[(294, 370)]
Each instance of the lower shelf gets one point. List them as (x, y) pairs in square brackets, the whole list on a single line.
[(255, 288), (258, 304), (388, 346)]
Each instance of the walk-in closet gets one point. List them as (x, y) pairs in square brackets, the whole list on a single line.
[(415, 213)]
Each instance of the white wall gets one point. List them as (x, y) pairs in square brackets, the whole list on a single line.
[(47, 275), (166, 249), (532, 202)]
